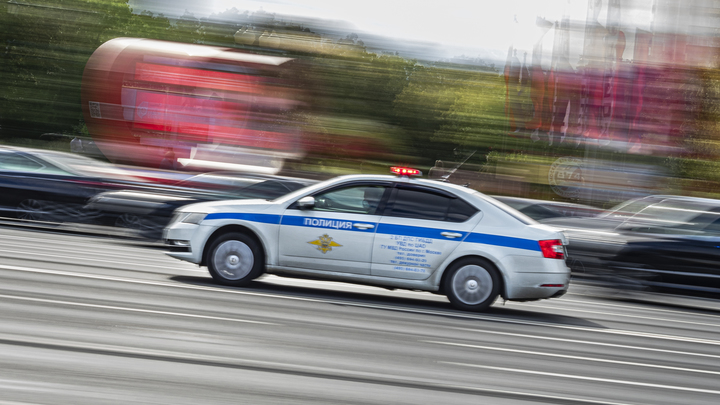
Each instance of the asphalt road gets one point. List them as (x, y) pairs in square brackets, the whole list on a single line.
[(89, 320)]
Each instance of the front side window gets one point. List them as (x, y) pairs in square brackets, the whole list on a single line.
[(358, 199)]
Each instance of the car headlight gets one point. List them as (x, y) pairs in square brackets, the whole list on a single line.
[(189, 217)]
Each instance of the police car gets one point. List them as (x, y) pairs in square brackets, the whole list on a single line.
[(383, 230)]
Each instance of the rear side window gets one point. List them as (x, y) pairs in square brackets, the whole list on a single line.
[(419, 204), (460, 211)]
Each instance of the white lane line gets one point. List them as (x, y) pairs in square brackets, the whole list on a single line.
[(109, 244), (585, 311), (566, 356), (76, 258), (146, 311), (648, 309), (587, 342), (586, 378), (373, 306), (72, 246), (89, 251), (316, 371)]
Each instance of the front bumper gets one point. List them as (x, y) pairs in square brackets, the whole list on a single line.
[(186, 241)]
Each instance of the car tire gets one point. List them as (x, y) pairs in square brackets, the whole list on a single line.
[(235, 259), (472, 284), (32, 210)]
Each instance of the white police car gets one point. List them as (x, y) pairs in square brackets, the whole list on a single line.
[(379, 230)]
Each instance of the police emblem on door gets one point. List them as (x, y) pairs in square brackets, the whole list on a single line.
[(325, 243)]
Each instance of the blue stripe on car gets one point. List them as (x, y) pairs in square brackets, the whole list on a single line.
[(505, 241), (387, 229)]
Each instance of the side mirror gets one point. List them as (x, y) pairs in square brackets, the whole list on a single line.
[(306, 203)]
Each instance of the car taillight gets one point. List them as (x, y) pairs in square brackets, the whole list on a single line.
[(552, 249)]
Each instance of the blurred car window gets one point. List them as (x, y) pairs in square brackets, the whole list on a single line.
[(218, 182), (268, 189), (680, 216), (347, 199), (420, 204), (15, 162), (81, 165), (540, 210), (460, 211), (631, 207), (713, 225)]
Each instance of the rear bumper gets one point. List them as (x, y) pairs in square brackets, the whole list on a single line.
[(534, 286)]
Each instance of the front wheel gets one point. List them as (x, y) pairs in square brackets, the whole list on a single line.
[(235, 259), (472, 284), (33, 210)]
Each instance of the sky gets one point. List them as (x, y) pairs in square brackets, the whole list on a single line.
[(456, 27), (465, 26)]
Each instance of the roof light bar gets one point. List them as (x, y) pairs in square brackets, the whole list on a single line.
[(405, 171)]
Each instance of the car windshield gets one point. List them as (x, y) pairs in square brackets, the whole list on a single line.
[(214, 182), (681, 215), (629, 208), (81, 165)]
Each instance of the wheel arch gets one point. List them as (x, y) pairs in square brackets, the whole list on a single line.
[(231, 229), (501, 274)]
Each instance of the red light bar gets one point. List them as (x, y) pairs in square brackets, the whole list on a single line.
[(552, 249), (405, 171)]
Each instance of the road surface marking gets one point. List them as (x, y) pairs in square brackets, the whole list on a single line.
[(587, 342), (147, 311), (566, 356), (586, 378)]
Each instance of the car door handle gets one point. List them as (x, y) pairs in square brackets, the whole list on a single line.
[(451, 235), (364, 226)]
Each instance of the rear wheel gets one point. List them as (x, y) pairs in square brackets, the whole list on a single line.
[(472, 284), (235, 259)]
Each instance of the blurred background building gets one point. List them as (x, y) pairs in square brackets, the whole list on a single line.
[(592, 101)]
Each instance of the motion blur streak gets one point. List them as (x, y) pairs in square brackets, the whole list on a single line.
[(335, 346), (600, 118)]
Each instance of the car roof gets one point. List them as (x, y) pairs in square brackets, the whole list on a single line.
[(407, 180)]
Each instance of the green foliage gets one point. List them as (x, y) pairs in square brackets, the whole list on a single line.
[(444, 109), (45, 45), (476, 119), (384, 106)]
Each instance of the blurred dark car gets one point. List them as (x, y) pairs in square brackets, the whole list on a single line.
[(45, 185), (542, 209), (660, 243), (149, 210)]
